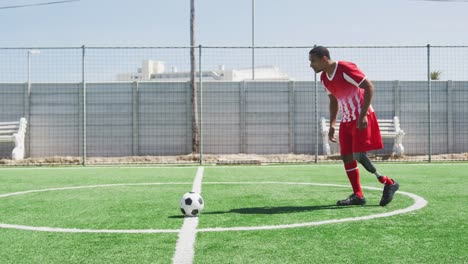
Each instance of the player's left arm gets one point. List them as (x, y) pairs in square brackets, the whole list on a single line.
[(368, 94)]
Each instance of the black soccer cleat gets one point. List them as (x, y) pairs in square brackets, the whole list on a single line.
[(353, 199), (388, 192)]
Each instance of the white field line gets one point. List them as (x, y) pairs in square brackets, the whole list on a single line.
[(91, 187), (419, 202), (76, 230), (185, 248), (98, 231)]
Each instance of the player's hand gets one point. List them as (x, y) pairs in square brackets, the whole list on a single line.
[(362, 122), (331, 134)]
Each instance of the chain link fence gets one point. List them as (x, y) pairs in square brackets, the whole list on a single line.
[(97, 105)]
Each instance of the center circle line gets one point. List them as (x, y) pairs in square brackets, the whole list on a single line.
[(419, 203)]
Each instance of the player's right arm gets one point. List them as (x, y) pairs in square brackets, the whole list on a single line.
[(333, 115)]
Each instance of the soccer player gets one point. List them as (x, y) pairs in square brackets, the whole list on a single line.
[(351, 91)]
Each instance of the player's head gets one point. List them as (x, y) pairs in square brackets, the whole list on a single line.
[(319, 58)]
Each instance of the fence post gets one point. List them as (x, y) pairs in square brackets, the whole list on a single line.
[(135, 119), (429, 103), (291, 117), (450, 146), (27, 112), (188, 111), (200, 120), (396, 99), (83, 68), (80, 119), (28, 106), (317, 135), (242, 111)]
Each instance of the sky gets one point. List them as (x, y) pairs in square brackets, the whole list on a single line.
[(228, 23)]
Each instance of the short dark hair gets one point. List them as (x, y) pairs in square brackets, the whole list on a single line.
[(320, 52)]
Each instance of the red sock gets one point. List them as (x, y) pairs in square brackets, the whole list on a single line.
[(385, 180), (353, 175)]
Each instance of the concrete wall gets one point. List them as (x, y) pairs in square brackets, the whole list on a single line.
[(153, 118)]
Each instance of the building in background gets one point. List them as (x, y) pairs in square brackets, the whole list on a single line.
[(155, 71)]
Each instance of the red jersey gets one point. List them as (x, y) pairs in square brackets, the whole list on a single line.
[(344, 85)]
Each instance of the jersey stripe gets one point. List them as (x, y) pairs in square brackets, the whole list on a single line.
[(350, 80)]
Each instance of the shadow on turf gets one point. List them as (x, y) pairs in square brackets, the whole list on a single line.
[(276, 210), (176, 216)]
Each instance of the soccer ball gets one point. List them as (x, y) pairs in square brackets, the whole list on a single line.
[(191, 204)]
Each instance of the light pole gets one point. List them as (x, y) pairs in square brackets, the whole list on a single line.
[(27, 102), (253, 39)]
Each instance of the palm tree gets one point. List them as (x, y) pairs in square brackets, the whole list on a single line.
[(194, 99), (435, 75)]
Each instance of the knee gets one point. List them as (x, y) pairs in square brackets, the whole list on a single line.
[(358, 156), (347, 158)]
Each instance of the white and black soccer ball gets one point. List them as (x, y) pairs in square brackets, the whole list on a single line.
[(191, 204)]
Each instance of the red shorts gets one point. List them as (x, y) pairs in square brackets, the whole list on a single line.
[(354, 140)]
